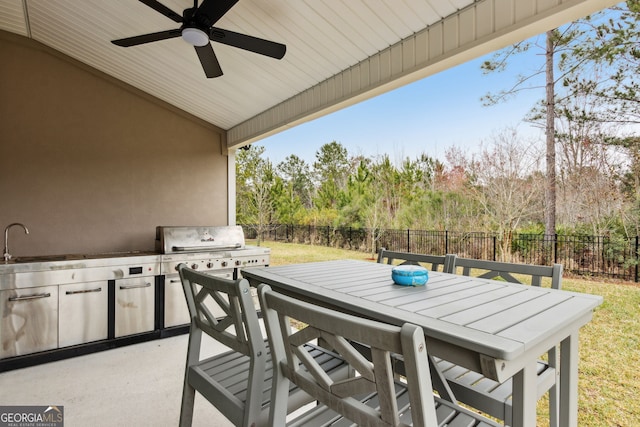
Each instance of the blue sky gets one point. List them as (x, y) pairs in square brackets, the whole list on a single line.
[(427, 116)]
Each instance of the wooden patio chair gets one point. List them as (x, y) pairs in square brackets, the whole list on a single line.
[(431, 262), (528, 273), (237, 382), (372, 397), (488, 395)]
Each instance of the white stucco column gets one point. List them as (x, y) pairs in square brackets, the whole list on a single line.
[(231, 187)]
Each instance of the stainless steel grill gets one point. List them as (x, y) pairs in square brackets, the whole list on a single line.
[(198, 239), (219, 251)]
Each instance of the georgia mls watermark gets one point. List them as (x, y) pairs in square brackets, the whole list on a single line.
[(31, 416)]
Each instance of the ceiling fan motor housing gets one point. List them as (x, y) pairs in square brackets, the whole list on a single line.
[(195, 36)]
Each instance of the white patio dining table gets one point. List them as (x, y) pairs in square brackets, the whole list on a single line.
[(496, 328)]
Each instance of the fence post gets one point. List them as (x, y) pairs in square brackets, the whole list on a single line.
[(408, 241), (446, 241), (495, 243), (555, 248)]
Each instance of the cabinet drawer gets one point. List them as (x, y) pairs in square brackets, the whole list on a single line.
[(83, 313), (28, 320), (176, 311), (135, 306)]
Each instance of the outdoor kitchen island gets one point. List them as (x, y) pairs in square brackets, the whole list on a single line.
[(61, 306)]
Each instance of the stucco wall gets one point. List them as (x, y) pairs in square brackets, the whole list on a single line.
[(91, 165)]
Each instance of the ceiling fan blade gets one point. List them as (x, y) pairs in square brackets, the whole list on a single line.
[(159, 7), (147, 38), (209, 61), (250, 43), (210, 11)]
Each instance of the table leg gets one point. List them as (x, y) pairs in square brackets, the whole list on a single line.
[(524, 397), (554, 391), (569, 381)]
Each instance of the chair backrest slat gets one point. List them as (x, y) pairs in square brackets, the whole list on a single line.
[(506, 271), (238, 327), (431, 262), (375, 376)]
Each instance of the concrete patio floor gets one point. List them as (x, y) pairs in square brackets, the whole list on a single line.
[(137, 385)]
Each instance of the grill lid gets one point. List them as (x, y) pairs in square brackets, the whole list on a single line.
[(198, 238)]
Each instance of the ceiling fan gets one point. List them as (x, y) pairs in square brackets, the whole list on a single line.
[(197, 29)]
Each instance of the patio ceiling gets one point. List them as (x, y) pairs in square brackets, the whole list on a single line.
[(338, 52)]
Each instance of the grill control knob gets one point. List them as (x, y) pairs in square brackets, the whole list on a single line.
[(210, 265), (223, 263), (194, 266), (238, 262)]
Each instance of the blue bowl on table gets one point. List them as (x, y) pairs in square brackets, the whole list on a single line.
[(410, 275)]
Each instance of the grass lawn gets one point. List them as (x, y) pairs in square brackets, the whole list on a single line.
[(609, 367)]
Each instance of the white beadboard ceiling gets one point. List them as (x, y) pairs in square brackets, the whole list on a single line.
[(338, 51)]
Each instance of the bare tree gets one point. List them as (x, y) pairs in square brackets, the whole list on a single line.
[(550, 187), (589, 167), (505, 183), (557, 42), (260, 205), (374, 220)]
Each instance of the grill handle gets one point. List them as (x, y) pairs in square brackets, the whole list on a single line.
[(205, 248)]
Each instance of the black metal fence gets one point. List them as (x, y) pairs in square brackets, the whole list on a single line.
[(614, 257)]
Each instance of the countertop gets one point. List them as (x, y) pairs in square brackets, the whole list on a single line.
[(27, 264), (33, 271)]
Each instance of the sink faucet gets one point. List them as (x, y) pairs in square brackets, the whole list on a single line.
[(7, 255)]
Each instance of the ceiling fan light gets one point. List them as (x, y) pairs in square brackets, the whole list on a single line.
[(195, 37)]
